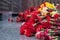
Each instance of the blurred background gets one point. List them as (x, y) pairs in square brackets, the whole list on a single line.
[(13, 7)]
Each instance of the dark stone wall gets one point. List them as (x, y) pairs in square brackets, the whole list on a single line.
[(21, 5)]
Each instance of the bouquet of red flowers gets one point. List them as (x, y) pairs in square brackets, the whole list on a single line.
[(42, 23)]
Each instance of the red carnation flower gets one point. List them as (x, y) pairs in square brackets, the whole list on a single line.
[(45, 32), (22, 30), (48, 18), (9, 19), (56, 16), (25, 15), (31, 19), (17, 19), (59, 27), (23, 27), (39, 19), (27, 32), (38, 35), (46, 24), (47, 37), (20, 14), (39, 27), (30, 26), (44, 4)]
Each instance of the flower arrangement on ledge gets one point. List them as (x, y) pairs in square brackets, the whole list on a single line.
[(43, 22)]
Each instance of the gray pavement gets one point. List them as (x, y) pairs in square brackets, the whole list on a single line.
[(10, 31)]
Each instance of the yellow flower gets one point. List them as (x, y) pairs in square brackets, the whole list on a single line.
[(39, 9), (49, 5), (42, 5)]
